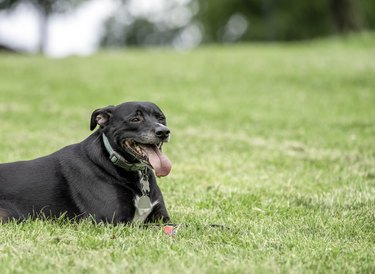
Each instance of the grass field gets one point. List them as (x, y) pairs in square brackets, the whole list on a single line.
[(276, 142)]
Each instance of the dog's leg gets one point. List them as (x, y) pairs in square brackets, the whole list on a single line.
[(158, 214)]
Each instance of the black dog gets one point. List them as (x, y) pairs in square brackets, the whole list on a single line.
[(109, 175)]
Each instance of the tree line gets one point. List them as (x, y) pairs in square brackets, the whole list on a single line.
[(217, 21)]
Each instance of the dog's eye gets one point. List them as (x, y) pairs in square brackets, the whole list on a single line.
[(161, 119), (135, 120)]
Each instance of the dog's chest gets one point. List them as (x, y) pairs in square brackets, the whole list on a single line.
[(141, 211)]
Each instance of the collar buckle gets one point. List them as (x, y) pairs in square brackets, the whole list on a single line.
[(114, 158)]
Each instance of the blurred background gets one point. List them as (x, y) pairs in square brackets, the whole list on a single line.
[(64, 27)]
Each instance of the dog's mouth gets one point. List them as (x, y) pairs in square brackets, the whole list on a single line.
[(149, 154)]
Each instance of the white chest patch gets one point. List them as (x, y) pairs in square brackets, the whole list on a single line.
[(142, 213)]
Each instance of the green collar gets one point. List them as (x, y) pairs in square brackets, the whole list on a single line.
[(120, 161)]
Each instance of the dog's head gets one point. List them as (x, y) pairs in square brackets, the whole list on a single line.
[(137, 130)]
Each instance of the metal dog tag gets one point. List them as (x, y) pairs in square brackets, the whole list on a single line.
[(145, 185), (144, 202)]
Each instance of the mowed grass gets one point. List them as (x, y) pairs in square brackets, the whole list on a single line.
[(276, 142)]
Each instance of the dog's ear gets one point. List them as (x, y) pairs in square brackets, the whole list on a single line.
[(100, 117)]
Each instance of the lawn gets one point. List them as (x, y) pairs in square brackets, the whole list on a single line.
[(274, 141)]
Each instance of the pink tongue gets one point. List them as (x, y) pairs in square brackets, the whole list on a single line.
[(158, 160)]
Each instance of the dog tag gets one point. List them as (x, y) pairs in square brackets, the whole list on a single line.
[(144, 202), (145, 185)]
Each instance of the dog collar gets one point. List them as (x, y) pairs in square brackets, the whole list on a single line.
[(120, 161)]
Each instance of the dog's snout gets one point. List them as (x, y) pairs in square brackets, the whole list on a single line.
[(162, 132)]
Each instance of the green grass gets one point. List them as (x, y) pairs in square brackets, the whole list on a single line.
[(274, 141)]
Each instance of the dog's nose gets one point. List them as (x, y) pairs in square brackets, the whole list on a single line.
[(162, 132)]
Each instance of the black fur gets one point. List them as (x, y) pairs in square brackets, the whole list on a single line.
[(79, 180)]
